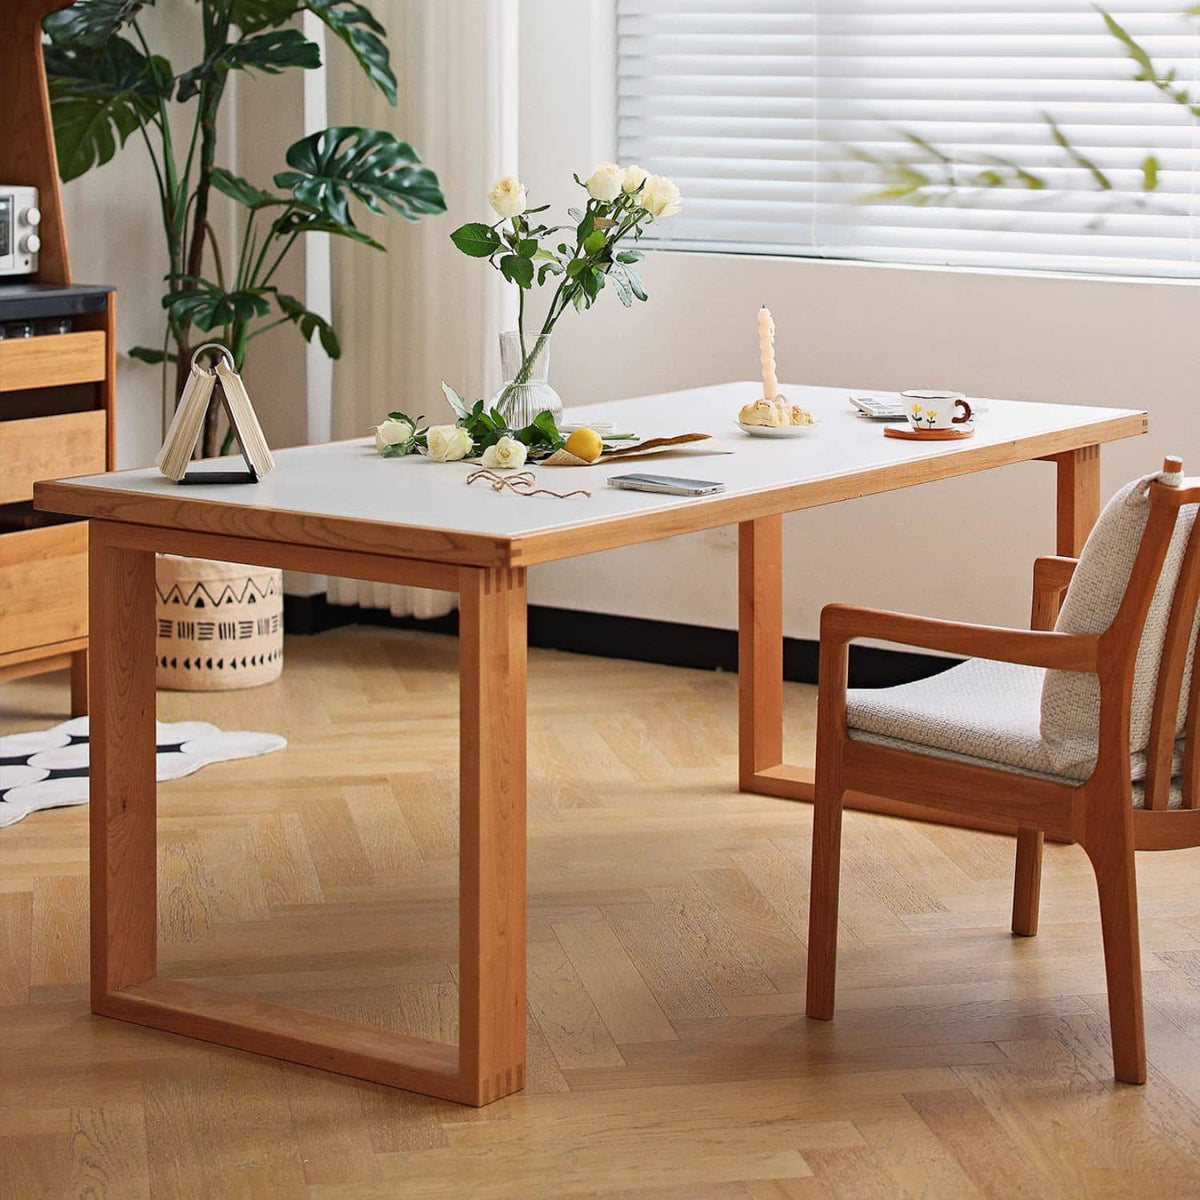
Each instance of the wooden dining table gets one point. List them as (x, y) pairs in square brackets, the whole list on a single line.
[(340, 509)]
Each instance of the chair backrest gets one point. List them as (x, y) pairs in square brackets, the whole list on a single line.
[(1136, 584)]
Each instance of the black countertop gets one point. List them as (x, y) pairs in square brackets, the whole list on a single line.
[(27, 301)]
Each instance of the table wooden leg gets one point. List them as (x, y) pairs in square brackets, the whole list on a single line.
[(489, 1061), (124, 898), (1078, 498), (492, 669), (760, 648)]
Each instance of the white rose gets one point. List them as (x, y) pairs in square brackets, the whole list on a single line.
[(390, 432), (635, 176), (660, 196), (507, 197), (506, 455), (448, 443), (605, 181)]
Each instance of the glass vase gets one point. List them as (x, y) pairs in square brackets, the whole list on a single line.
[(525, 392)]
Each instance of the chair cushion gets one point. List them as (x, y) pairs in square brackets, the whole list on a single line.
[(980, 712), (1070, 701), (980, 709)]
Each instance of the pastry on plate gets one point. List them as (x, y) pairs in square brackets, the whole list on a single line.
[(775, 413)]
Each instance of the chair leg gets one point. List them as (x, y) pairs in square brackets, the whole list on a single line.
[(823, 903), (1027, 887), (1116, 880)]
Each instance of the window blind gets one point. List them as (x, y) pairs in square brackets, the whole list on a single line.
[(781, 119)]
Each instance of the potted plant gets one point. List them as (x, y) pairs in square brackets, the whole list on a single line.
[(107, 84)]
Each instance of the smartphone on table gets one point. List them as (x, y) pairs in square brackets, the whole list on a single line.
[(669, 485)]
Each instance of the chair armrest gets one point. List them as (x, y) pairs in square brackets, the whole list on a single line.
[(842, 623), (1051, 576)]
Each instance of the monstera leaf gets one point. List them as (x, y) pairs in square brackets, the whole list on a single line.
[(370, 165), (242, 190), (309, 323), (208, 305), (98, 97), (302, 219), (364, 36), (91, 22), (271, 53)]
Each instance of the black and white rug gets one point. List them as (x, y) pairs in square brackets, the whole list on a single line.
[(49, 768)]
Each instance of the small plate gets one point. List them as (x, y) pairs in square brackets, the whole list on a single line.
[(779, 431), (601, 427)]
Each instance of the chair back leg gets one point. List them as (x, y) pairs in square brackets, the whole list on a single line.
[(1027, 886), (828, 794), (1109, 845)]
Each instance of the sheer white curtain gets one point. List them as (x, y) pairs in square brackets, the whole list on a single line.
[(423, 312)]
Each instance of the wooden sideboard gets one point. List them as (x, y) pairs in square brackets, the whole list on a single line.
[(56, 419), (56, 389)]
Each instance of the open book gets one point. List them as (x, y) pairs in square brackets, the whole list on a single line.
[(188, 424)]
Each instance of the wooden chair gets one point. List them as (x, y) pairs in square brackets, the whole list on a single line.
[(1108, 810)]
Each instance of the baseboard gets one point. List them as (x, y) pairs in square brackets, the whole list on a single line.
[(636, 638)]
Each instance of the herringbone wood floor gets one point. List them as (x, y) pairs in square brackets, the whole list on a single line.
[(668, 1053)]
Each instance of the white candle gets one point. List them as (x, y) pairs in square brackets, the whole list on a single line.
[(766, 350)]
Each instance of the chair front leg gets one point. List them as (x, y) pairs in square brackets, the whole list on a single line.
[(823, 902), (828, 795), (1027, 886), (1109, 845)]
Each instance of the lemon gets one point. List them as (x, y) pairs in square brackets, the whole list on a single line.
[(585, 444)]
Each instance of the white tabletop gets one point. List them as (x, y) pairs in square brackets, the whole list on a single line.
[(847, 455)]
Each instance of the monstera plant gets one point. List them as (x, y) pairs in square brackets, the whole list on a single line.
[(107, 85)]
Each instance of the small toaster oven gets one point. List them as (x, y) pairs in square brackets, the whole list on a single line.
[(19, 221)]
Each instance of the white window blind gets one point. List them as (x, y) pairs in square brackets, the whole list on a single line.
[(779, 118)]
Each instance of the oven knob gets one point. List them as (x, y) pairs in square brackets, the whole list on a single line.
[(32, 217), (31, 243)]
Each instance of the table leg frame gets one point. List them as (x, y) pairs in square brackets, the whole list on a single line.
[(489, 1060), (761, 768)]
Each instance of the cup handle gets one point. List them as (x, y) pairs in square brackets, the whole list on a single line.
[(966, 413)]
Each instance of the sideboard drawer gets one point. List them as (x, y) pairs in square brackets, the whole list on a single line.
[(43, 586), (50, 448), (53, 360)]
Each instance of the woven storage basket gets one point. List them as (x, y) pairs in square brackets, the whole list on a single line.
[(219, 625)]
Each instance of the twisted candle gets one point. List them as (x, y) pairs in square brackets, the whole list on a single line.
[(766, 350)]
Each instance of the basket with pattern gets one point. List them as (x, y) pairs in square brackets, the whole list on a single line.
[(219, 625)]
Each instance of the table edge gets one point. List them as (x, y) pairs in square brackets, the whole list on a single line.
[(584, 537)]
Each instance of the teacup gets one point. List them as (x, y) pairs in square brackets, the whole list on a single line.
[(928, 408)]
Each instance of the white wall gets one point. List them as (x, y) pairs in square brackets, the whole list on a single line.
[(961, 548)]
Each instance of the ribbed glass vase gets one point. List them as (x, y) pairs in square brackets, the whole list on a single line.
[(525, 392)]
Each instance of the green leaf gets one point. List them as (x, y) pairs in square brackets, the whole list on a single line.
[(635, 284), (548, 268), (370, 165), (527, 248), (630, 256), (270, 53), (363, 34), (575, 266), (98, 97), (517, 270), (149, 354), (620, 284), (476, 239), (252, 15), (209, 306), (309, 323), (90, 23), (1150, 169), (241, 190), (457, 403), (595, 241), (300, 219)]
